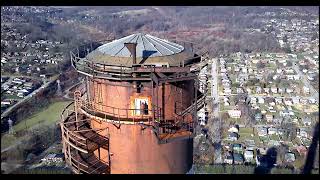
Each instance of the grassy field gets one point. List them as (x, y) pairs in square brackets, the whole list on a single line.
[(245, 133), (7, 140), (47, 116)]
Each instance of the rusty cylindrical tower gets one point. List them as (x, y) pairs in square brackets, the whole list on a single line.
[(136, 112)]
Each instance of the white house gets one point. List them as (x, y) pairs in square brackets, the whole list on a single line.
[(263, 131), (248, 156), (312, 100), (227, 91), (234, 129), (288, 102), (274, 89), (306, 121), (272, 131), (295, 100), (269, 117), (234, 113), (260, 100)]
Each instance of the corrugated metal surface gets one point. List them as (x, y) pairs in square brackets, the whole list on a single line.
[(147, 46)]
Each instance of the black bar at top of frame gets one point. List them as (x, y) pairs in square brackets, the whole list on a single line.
[(161, 2)]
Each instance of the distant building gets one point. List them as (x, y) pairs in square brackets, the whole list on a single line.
[(248, 155), (263, 131), (234, 113), (258, 117), (306, 121), (234, 128), (56, 158), (269, 117), (237, 147), (233, 136), (289, 157), (228, 158), (238, 158), (272, 131)]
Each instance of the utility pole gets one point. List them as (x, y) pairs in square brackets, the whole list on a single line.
[(10, 126)]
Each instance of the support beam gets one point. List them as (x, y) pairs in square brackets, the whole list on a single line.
[(88, 88), (155, 78), (164, 69), (161, 75)]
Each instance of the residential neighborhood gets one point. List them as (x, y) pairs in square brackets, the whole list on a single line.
[(14, 89), (271, 99), (24, 56), (27, 61)]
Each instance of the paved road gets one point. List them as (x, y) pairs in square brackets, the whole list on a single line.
[(214, 88), (314, 93), (67, 91), (216, 107)]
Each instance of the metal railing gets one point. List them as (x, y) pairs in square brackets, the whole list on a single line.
[(80, 62), (80, 164), (80, 142), (72, 136), (120, 114)]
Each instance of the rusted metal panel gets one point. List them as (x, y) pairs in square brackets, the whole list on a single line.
[(132, 148), (138, 151)]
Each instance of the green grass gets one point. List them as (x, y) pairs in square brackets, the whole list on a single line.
[(271, 66), (7, 140), (225, 108), (47, 116), (262, 138), (274, 137), (245, 133), (246, 130), (234, 121)]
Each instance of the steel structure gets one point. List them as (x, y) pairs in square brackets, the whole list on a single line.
[(137, 117)]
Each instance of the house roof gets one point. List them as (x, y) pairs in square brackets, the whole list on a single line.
[(237, 157), (237, 145), (248, 153), (233, 134)]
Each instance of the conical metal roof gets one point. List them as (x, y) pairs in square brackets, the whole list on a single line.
[(147, 46)]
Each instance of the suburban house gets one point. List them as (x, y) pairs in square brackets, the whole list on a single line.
[(269, 117), (289, 157), (306, 121), (248, 155), (237, 147), (263, 131), (258, 117), (56, 158), (234, 113), (228, 158), (234, 128), (306, 90), (233, 136), (272, 130), (238, 158)]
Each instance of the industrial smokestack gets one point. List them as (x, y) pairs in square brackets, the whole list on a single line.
[(132, 48)]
